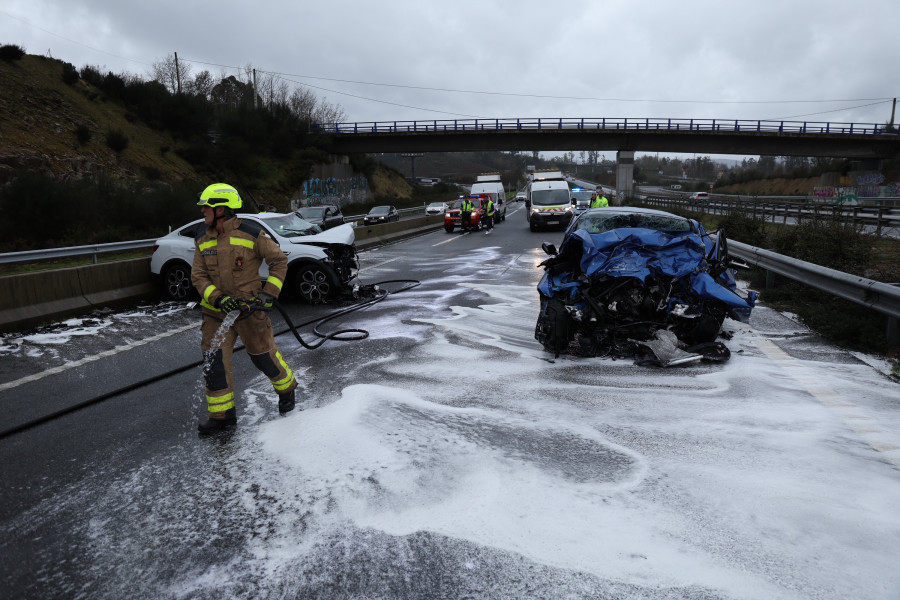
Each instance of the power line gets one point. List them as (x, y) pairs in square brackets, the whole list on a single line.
[(284, 78), (443, 112), (830, 111), (71, 40), (593, 99)]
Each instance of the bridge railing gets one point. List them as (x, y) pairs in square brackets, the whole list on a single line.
[(613, 124)]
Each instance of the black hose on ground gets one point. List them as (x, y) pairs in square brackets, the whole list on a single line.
[(345, 335)]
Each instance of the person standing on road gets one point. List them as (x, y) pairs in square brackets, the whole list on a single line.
[(598, 200), (465, 213), (227, 258), (489, 215)]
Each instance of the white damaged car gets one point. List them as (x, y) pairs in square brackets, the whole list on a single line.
[(320, 263)]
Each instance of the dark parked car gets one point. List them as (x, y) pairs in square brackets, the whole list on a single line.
[(325, 216), (381, 214), (638, 282)]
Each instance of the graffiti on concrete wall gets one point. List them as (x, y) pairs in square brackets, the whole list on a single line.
[(334, 190), (867, 185)]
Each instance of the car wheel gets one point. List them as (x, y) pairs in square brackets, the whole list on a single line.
[(532, 225), (315, 283), (448, 228), (176, 279)]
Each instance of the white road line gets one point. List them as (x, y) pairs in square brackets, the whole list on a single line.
[(378, 265), (89, 359), (455, 237), (865, 427)]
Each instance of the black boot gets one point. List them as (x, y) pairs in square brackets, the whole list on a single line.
[(211, 426), (286, 402)]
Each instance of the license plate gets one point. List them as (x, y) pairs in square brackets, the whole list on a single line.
[(553, 222)]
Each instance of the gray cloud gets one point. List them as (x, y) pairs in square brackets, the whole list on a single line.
[(696, 59)]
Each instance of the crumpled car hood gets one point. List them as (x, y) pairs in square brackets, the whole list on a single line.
[(639, 253), (342, 234)]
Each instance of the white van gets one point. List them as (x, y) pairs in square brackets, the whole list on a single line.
[(548, 202)]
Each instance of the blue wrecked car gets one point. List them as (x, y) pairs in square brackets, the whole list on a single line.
[(642, 283)]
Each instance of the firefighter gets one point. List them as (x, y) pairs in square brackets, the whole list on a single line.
[(465, 213), (227, 258)]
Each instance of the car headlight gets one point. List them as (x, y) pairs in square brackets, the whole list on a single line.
[(534, 210)]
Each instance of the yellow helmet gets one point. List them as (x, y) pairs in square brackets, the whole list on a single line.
[(220, 194)]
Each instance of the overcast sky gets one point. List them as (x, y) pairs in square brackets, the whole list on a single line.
[(812, 60)]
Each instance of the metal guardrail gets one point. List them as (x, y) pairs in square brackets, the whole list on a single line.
[(95, 249), (879, 296), (881, 218), (69, 251), (621, 123)]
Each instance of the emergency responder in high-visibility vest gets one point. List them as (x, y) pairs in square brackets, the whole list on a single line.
[(489, 216), (598, 200), (465, 213), (227, 258)]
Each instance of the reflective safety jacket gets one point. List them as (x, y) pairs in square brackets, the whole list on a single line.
[(466, 206), (490, 208), (228, 264), (599, 202)]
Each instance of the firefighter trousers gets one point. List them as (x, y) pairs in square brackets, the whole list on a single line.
[(256, 332)]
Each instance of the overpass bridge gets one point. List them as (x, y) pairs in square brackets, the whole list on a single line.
[(625, 136)]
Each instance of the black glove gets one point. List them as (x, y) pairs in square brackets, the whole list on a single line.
[(228, 304), (265, 300)]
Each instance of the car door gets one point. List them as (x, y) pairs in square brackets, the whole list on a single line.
[(186, 241), (394, 215), (333, 218)]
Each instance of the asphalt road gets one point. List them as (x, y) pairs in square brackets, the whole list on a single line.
[(446, 456)]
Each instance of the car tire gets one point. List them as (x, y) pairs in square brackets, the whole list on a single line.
[(176, 281), (314, 283), (532, 226), (448, 228)]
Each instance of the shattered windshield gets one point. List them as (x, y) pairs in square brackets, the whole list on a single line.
[(291, 226), (605, 220)]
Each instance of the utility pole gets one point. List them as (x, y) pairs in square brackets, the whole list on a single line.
[(177, 75), (254, 90), (893, 109)]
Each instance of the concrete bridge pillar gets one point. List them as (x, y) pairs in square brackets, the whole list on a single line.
[(624, 174)]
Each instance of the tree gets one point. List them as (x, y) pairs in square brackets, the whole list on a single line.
[(231, 93), (201, 85), (170, 72), (766, 164)]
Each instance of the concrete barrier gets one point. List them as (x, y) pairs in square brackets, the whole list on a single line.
[(373, 235), (34, 298)]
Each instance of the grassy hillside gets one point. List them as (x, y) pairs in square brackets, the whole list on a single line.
[(41, 119), (59, 129)]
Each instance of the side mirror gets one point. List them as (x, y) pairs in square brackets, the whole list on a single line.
[(549, 248)]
